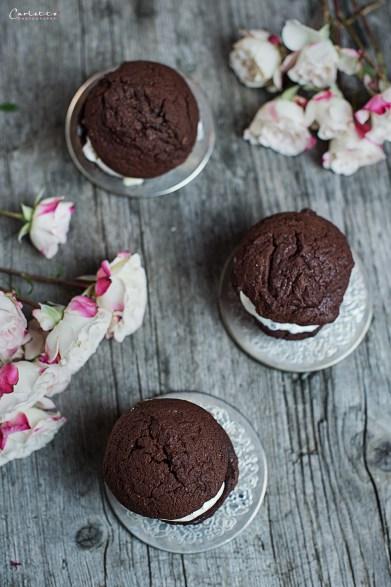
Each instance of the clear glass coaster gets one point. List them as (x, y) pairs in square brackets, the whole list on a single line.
[(333, 343), (238, 510), (158, 186)]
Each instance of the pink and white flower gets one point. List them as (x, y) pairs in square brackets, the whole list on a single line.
[(314, 62), (47, 224), (281, 125), (315, 65), (121, 289), (53, 379), (377, 112), (77, 336), (330, 113), (13, 326), (18, 387), (350, 151), (256, 57), (28, 431)]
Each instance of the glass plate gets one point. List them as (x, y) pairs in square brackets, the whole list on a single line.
[(238, 510), (158, 186), (333, 343)]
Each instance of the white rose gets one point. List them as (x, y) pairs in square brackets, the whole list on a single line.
[(256, 58), (280, 124), (350, 151), (315, 59), (27, 432), (47, 224), (77, 336), (121, 289), (18, 387), (13, 326), (53, 379), (315, 66), (330, 112)]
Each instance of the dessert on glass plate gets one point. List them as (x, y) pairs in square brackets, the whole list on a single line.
[(184, 472), (293, 278), (140, 130)]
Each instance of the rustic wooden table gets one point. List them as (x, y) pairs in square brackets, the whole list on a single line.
[(326, 519)]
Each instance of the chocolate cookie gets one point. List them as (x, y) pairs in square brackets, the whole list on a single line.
[(291, 272), (141, 119), (170, 459)]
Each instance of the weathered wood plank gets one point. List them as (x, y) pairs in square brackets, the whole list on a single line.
[(327, 515)]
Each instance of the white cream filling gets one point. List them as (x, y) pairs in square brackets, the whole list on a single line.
[(92, 155), (204, 508), (286, 326)]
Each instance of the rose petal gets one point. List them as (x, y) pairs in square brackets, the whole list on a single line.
[(9, 377), (84, 306), (17, 424)]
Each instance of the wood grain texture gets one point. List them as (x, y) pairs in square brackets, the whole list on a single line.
[(327, 515)]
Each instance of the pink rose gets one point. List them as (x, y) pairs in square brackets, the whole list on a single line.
[(121, 289), (330, 113), (377, 112), (350, 151), (77, 336), (18, 387), (28, 431), (281, 125), (48, 224), (13, 326)]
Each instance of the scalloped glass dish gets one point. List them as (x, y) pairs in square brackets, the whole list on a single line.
[(333, 343), (158, 186), (238, 510)]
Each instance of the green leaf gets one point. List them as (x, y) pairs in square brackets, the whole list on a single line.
[(27, 212), (39, 196), (289, 93), (325, 31), (8, 107), (52, 313), (24, 231)]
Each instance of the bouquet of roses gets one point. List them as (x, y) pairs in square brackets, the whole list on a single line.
[(315, 104), (39, 357)]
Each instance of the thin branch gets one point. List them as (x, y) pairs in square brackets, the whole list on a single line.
[(338, 17), (363, 11), (71, 284), (25, 301), (326, 11)]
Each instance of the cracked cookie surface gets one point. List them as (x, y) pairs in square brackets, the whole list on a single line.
[(294, 267), (166, 457), (141, 119)]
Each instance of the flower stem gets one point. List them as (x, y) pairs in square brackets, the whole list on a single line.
[(326, 11), (362, 11), (14, 215), (25, 301), (71, 284)]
